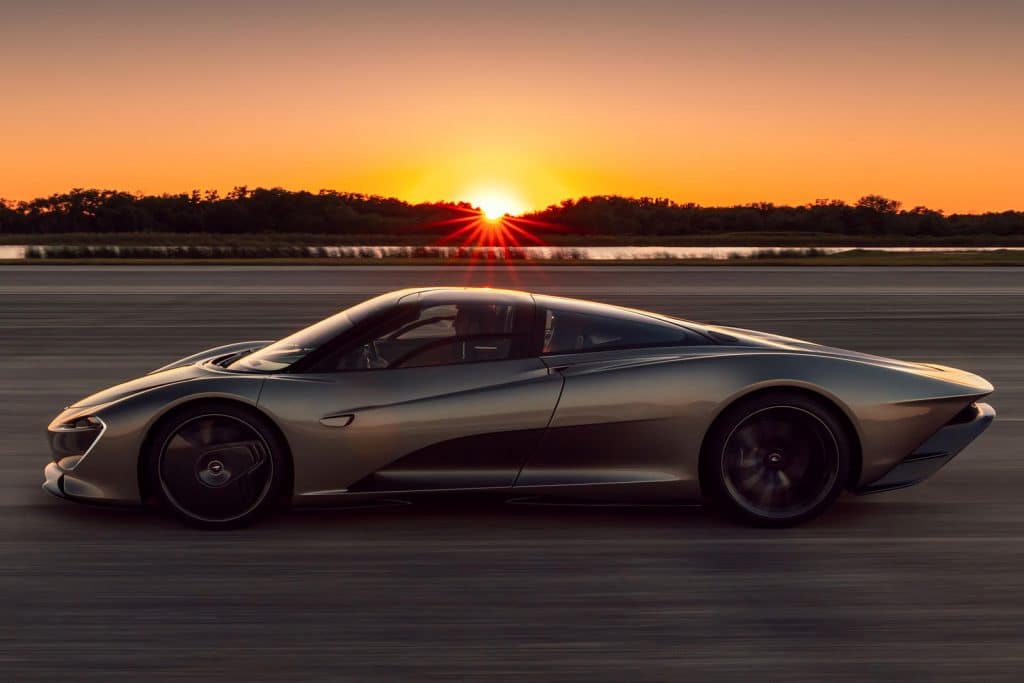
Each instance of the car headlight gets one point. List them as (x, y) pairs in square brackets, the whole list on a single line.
[(71, 441)]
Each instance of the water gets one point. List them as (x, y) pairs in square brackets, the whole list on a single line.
[(376, 252)]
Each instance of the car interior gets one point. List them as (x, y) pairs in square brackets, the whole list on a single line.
[(443, 334)]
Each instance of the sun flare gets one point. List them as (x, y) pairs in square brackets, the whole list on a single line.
[(496, 204)]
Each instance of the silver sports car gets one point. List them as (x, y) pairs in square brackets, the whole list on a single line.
[(424, 391)]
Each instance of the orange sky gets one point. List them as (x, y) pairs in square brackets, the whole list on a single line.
[(717, 103)]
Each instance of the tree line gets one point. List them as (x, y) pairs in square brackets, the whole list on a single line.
[(242, 210), (328, 212), (870, 215)]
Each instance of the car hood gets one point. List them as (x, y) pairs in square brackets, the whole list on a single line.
[(182, 370), (215, 352), (144, 383), (932, 370)]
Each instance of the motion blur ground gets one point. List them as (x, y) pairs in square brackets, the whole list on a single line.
[(922, 582)]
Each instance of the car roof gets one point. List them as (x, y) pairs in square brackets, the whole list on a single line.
[(468, 294), (495, 295), (598, 308), (443, 295)]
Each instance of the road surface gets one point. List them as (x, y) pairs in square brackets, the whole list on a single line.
[(923, 583)]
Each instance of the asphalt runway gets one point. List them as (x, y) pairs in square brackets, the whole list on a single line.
[(925, 583)]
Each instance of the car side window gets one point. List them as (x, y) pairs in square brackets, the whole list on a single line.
[(439, 334), (574, 332), (468, 349)]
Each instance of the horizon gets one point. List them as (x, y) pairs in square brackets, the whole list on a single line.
[(496, 210), (519, 107)]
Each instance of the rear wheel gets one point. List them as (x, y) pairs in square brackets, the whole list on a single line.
[(777, 459), (216, 466)]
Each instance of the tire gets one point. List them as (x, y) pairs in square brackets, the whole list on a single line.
[(777, 459), (216, 466)]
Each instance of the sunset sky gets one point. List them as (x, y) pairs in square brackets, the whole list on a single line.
[(713, 102)]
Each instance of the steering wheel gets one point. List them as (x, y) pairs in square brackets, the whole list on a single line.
[(373, 357)]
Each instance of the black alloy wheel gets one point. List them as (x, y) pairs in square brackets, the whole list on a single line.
[(778, 459), (216, 467)]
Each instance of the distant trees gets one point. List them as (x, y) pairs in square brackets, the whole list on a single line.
[(870, 215), (879, 204), (329, 212), (242, 210)]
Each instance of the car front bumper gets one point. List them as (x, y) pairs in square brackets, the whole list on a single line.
[(939, 449), (64, 484), (53, 480)]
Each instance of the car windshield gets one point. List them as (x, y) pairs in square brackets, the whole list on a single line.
[(291, 349)]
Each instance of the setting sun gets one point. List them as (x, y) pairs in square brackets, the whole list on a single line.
[(496, 204)]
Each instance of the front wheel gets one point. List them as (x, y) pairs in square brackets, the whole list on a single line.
[(216, 466), (777, 459)]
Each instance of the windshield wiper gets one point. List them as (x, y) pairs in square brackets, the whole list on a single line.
[(231, 358)]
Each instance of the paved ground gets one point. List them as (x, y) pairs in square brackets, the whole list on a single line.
[(923, 583)]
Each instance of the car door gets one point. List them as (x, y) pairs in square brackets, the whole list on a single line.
[(618, 418), (446, 398)]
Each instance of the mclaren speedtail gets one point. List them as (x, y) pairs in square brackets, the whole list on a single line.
[(424, 391)]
